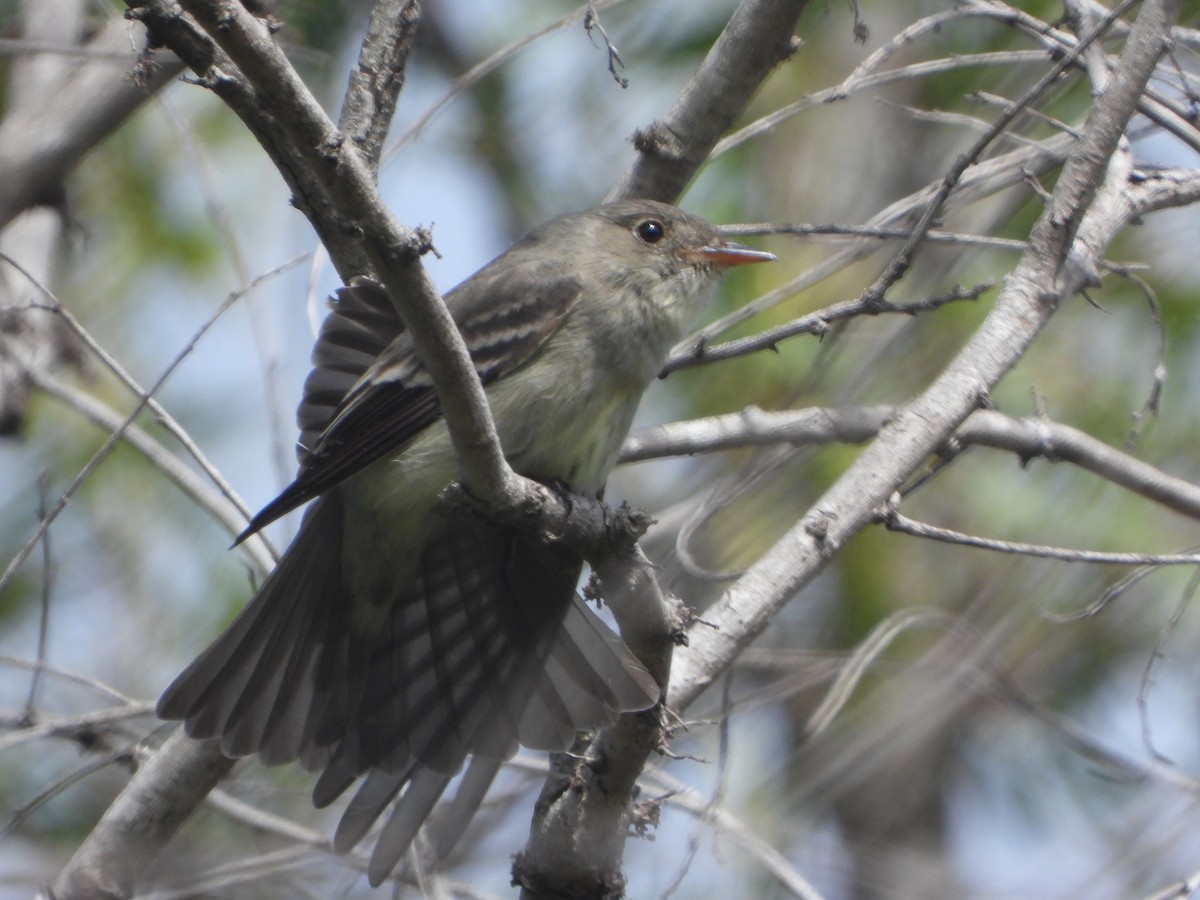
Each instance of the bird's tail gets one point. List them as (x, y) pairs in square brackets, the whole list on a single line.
[(587, 679), (255, 687), (487, 648)]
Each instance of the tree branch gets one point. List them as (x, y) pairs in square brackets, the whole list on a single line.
[(90, 105), (815, 323), (341, 200), (1031, 295), (980, 180), (579, 828), (1028, 438), (378, 76), (759, 36), (170, 785), (892, 519)]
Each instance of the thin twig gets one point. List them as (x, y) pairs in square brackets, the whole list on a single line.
[(902, 261), (44, 606), (56, 787), (1164, 111), (985, 179), (591, 22), (863, 657), (103, 690), (851, 85), (484, 68), (72, 728), (1110, 594), (818, 323), (1087, 746), (110, 444), (717, 800), (1146, 683), (164, 418), (266, 349), (725, 823), (231, 517), (855, 232), (894, 521), (1150, 408)]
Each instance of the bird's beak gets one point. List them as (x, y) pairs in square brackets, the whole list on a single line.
[(727, 253)]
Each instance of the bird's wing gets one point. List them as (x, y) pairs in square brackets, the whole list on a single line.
[(369, 394), (362, 323)]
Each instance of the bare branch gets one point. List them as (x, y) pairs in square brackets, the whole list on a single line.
[(892, 519), (852, 671), (981, 180), (55, 306), (671, 150), (70, 727), (91, 684), (853, 232), (1163, 111), (173, 781), (378, 76), (231, 516), (1159, 653), (579, 827), (100, 95), (143, 400), (816, 323), (902, 261), (724, 823), (1030, 297), (1029, 438)]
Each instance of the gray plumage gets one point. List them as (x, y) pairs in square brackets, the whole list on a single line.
[(395, 641)]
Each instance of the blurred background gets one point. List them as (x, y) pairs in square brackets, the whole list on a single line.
[(1015, 737)]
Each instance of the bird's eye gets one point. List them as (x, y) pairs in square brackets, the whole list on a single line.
[(651, 231)]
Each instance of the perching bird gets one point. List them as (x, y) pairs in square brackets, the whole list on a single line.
[(396, 639)]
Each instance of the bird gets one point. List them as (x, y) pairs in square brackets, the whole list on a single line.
[(397, 642)]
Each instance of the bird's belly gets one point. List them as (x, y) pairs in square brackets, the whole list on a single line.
[(549, 433), (570, 439)]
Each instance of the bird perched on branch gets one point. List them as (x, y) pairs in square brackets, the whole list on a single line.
[(396, 640)]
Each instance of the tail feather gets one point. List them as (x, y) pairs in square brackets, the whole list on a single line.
[(589, 679), (449, 822), (332, 783), (598, 661), (282, 735), (259, 672), (368, 803), (548, 721), (192, 694), (339, 677), (245, 727), (487, 647), (464, 648), (420, 796)]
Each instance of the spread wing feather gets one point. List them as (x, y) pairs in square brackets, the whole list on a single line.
[(368, 393)]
